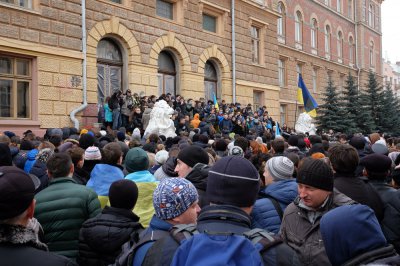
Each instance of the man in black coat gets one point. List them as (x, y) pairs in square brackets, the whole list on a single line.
[(101, 237), (344, 159), (19, 241), (377, 168)]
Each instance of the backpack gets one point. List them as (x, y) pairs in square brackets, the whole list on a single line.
[(217, 248), (129, 249)]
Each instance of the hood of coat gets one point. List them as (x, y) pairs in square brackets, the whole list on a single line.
[(285, 191), (353, 228)]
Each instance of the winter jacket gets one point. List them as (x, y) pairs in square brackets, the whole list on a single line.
[(30, 161), (146, 184), (39, 169), (305, 237), (224, 219), (198, 177), (226, 126), (19, 246), (61, 209), (167, 169), (195, 121), (156, 224), (101, 237), (146, 117), (81, 176), (391, 219), (359, 190), (20, 159), (356, 231), (296, 150), (264, 214), (101, 178)]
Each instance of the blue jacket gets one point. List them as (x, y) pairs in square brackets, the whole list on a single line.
[(155, 224), (102, 176), (264, 214)]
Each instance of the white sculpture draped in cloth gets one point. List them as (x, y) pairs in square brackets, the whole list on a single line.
[(304, 124), (160, 120)]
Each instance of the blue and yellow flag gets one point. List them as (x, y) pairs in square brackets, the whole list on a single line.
[(215, 102), (304, 97), (277, 130)]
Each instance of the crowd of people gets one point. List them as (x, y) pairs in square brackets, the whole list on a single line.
[(212, 195)]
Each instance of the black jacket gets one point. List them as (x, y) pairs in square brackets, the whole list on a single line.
[(391, 219), (381, 256), (198, 177), (19, 246), (359, 190), (101, 237)]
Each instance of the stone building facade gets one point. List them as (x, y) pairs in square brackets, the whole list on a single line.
[(178, 46)]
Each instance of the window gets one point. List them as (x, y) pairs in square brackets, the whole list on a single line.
[(298, 27), (327, 2), (109, 69), (371, 54), (282, 73), (15, 87), (283, 114), (20, 3), (341, 83), (351, 50), (340, 45), (257, 99), (314, 79), (210, 81), (371, 15), (165, 9), (281, 21), (350, 9), (116, 1), (209, 23), (339, 6), (166, 73), (327, 40), (255, 44), (299, 70), (314, 33)]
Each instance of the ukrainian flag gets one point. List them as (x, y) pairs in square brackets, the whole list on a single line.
[(215, 102), (304, 97), (277, 130)]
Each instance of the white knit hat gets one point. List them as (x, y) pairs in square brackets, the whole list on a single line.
[(92, 153), (161, 157)]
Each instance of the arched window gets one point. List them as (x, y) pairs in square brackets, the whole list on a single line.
[(370, 15), (340, 44), (351, 50), (109, 69), (327, 39), (314, 33), (298, 27), (371, 54), (166, 73), (210, 81), (281, 21)]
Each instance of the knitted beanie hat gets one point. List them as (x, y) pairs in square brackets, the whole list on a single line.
[(316, 173), (92, 153), (136, 160), (192, 155), (161, 157), (172, 197), (123, 194), (280, 168), (236, 151), (233, 180), (44, 155)]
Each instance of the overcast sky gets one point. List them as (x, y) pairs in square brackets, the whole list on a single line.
[(391, 30)]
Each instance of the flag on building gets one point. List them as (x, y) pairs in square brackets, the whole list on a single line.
[(304, 97), (215, 102)]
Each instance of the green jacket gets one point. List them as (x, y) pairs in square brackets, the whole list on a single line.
[(61, 209)]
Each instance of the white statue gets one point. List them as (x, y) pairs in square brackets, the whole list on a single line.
[(304, 124), (160, 120)]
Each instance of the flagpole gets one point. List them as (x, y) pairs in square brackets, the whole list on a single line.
[(295, 116)]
